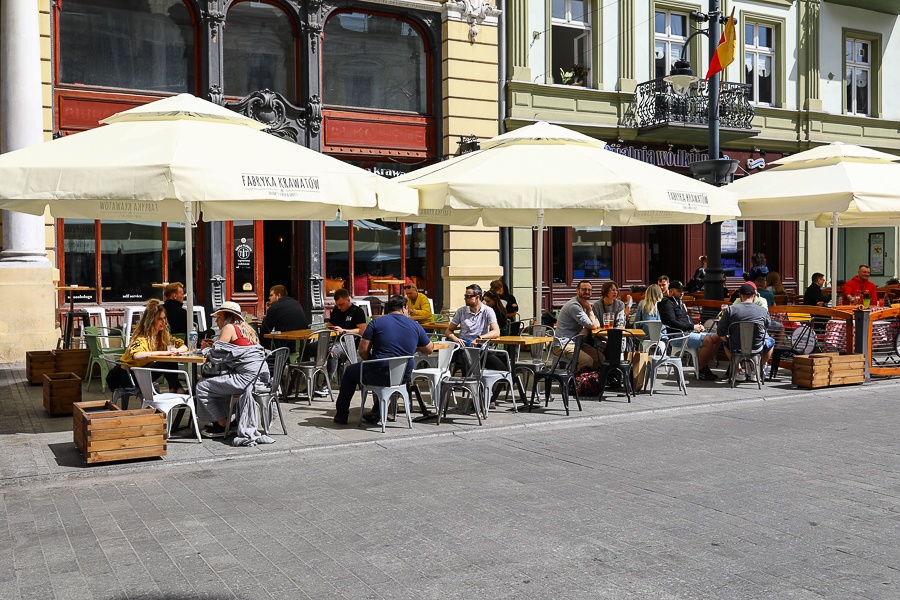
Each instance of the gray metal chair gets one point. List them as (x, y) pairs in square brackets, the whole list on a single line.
[(539, 356), (469, 383), (126, 392), (267, 397), (653, 333), (491, 377), (386, 394), (434, 376), (746, 353), (660, 358), (560, 370), (309, 370)]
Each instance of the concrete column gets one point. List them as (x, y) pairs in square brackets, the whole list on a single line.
[(25, 271), (21, 116), (627, 81), (519, 39), (808, 37)]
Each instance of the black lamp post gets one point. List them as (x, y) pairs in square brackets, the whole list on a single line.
[(716, 171)]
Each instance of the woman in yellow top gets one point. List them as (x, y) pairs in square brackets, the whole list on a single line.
[(151, 338)]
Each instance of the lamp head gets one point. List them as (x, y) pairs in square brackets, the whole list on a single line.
[(681, 76)]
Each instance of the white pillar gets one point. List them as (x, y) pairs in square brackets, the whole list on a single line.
[(21, 120)]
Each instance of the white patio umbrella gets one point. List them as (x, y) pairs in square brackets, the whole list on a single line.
[(546, 175), (835, 184), (181, 158)]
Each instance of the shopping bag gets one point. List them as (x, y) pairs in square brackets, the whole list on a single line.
[(640, 362)]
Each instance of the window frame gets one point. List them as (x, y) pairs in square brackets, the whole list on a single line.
[(875, 48), (779, 64), (591, 27), (756, 51), (694, 52)]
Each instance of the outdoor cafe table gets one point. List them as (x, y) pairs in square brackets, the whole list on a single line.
[(70, 321), (439, 327), (390, 282), (638, 333)]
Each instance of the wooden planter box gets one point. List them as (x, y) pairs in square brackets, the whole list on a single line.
[(61, 391), (38, 362), (75, 360), (830, 369), (103, 432)]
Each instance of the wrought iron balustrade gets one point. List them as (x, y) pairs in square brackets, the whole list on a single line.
[(658, 103)]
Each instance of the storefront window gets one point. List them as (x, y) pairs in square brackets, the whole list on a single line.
[(175, 252), (416, 254), (131, 44), (244, 259), (376, 251), (374, 61), (80, 252), (591, 252), (260, 50), (130, 260), (733, 248)]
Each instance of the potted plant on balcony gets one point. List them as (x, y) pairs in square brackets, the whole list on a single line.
[(575, 75)]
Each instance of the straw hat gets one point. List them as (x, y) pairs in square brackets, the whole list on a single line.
[(230, 308)]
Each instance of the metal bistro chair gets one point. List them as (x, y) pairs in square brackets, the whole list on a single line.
[(614, 363), (661, 357), (385, 395), (126, 392), (265, 396), (491, 377), (802, 341), (751, 339), (434, 376), (311, 369), (470, 383), (167, 401), (98, 340), (653, 331), (560, 370), (539, 357), (349, 343)]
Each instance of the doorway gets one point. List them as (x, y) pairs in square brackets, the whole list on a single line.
[(278, 239)]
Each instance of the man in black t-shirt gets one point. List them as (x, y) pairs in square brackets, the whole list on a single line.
[(345, 318), (283, 313)]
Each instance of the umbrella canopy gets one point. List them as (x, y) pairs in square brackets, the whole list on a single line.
[(835, 184), (182, 157), (546, 175), (151, 161)]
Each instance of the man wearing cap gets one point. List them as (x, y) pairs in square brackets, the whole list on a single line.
[(757, 299), (746, 311), (675, 317)]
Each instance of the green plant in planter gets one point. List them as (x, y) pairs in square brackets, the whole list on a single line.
[(575, 75)]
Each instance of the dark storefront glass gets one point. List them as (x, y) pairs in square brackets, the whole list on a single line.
[(374, 61), (244, 258), (591, 252), (130, 260), (129, 44), (337, 250), (176, 252), (733, 238), (259, 50), (376, 249), (416, 252), (80, 252)]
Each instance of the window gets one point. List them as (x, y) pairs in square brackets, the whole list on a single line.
[(857, 79), (670, 35), (570, 38), (131, 44), (374, 61), (244, 256), (130, 260), (759, 62), (733, 242), (80, 250), (591, 251), (260, 50)]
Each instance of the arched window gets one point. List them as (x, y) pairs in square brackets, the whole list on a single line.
[(260, 50), (374, 61), (130, 44)]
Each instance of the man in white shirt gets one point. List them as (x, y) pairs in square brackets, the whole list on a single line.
[(476, 320)]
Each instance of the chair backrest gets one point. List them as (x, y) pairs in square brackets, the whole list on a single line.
[(539, 350), (572, 365), (144, 378), (365, 305), (323, 338), (803, 340), (445, 357), (516, 327), (474, 361), (652, 329), (746, 337), (396, 365), (503, 355), (348, 342), (614, 346), (281, 356), (430, 304), (97, 338)]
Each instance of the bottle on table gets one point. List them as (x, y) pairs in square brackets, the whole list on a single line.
[(192, 339)]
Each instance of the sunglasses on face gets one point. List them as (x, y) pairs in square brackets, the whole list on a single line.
[(467, 296)]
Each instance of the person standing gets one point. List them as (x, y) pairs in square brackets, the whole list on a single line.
[(759, 268), (174, 305), (419, 306), (388, 336), (494, 302), (696, 282)]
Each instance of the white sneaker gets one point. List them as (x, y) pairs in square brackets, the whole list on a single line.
[(766, 371)]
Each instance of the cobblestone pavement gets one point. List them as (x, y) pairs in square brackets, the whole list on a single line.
[(776, 497)]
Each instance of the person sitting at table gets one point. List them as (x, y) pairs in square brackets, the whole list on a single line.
[(648, 309), (675, 317), (283, 313), (663, 282), (345, 317), (151, 338), (745, 311), (393, 334), (735, 297), (814, 296), (773, 283), (233, 361), (859, 286), (496, 304), (173, 294), (762, 292), (609, 304), (475, 321), (577, 317), (498, 286), (418, 304)]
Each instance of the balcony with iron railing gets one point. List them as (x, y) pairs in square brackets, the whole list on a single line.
[(662, 104)]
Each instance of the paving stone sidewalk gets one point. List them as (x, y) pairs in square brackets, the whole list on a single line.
[(35, 445)]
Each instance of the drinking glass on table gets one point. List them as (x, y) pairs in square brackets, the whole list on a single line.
[(608, 320), (171, 348)]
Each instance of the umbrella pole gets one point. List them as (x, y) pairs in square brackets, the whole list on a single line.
[(189, 266), (539, 268), (834, 258)]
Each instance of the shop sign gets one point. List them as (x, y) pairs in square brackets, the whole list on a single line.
[(243, 255), (661, 158), (729, 236)]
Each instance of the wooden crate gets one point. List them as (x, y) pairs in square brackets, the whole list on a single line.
[(829, 369), (103, 432), (38, 362), (61, 391), (73, 359)]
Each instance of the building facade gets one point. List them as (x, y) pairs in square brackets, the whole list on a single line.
[(806, 72), (385, 85)]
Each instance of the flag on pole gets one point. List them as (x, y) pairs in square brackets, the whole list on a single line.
[(724, 55)]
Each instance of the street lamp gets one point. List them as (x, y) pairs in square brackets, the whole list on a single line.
[(716, 171)]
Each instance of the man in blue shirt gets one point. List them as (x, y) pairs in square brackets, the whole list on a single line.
[(393, 334)]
